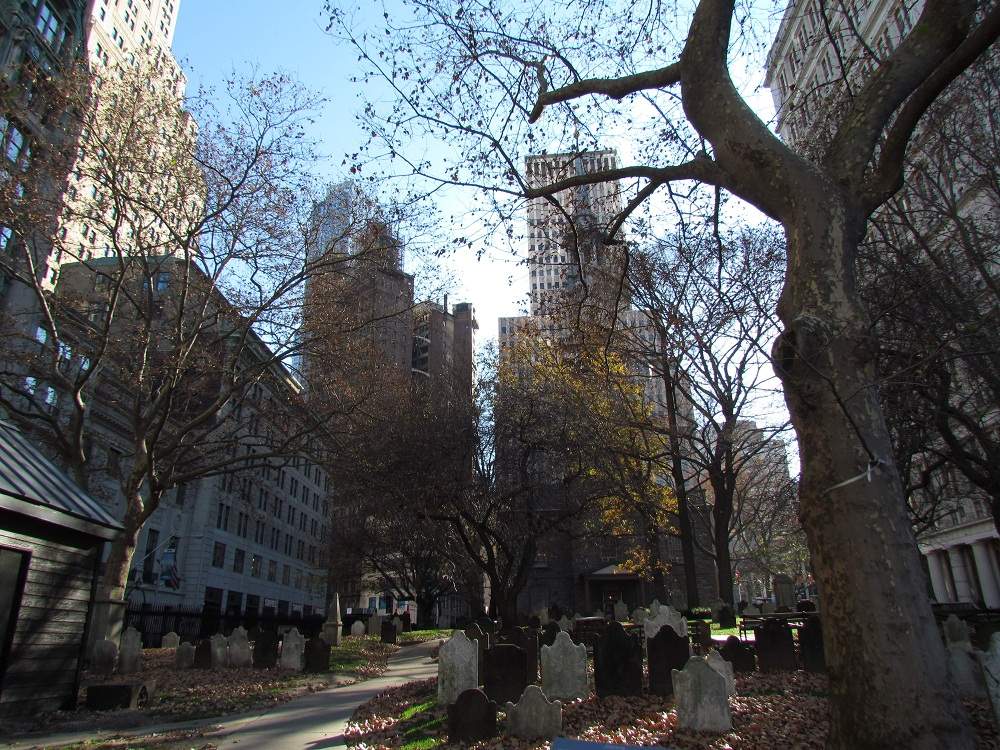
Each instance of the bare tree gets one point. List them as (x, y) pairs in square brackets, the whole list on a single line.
[(481, 73)]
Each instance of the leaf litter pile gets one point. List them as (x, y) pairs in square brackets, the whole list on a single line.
[(780, 710)]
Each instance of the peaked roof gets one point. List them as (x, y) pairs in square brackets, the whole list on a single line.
[(32, 485)]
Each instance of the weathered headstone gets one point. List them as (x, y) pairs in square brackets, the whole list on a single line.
[(701, 697), (170, 640), (526, 639), (665, 652), (358, 628), (716, 661), (618, 663), (639, 615), (397, 623), (751, 610), (543, 617), (458, 668), (726, 617), (184, 656), (130, 655), (219, 649), (265, 650), (739, 654), (387, 632), (475, 633), (292, 647), (316, 656), (333, 628), (407, 623), (239, 649), (654, 608), (990, 662), (565, 623), (105, 657), (621, 611), (965, 671), (472, 717), (701, 634), (203, 654), (665, 616), (549, 633), (506, 673), (784, 591), (811, 645), (534, 716), (956, 630), (564, 669), (774, 646)]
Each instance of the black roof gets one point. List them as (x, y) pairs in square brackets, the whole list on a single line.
[(31, 484)]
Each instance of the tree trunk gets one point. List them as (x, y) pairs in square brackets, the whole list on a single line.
[(425, 611), (888, 679), (122, 548), (723, 565)]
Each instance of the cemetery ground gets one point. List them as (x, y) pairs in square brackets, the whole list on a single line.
[(189, 694), (772, 710)]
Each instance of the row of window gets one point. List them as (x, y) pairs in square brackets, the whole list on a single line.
[(272, 536), (259, 567)]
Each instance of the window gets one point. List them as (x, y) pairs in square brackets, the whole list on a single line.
[(49, 25), (152, 540), (6, 235), (259, 531), (286, 575), (272, 570), (219, 555), (41, 335), (222, 519), (15, 145), (239, 558), (162, 282), (255, 562)]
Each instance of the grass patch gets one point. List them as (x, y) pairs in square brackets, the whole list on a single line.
[(724, 632), (420, 726), (422, 636), (412, 711)]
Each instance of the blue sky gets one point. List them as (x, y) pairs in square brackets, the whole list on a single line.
[(216, 37)]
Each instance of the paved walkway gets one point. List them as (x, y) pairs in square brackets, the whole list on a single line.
[(309, 722)]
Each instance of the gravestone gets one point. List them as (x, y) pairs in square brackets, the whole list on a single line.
[(956, 630), (639, 615), (472, 717), (784, 591), (534, 716), (292, 647), (565, 624), (407, 624), (374, 624), (654, 608), (715, 660), (774, 646), (239, 649), (130, 655), (458, 668), (618, 663), (701, 697), (388, 632), (184, 656), (564, 669), (526, 639), (549, 633), (219, 651), (475, 633), (506, 673), (543, 617), (751, 610), (170, 640), (105, 657), (621, 611), (665, 616), (739, 654), (701, 634), (333, 628), (203, 654), (811, 646), (358, 628), (727, 618), (990, 661), (398, 624), (665, 652), (128, 695), (265, 650), (965, 671), (316, 656)]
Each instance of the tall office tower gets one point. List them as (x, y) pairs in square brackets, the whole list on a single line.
[(565, 240), (809, 60), (444, 344)]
